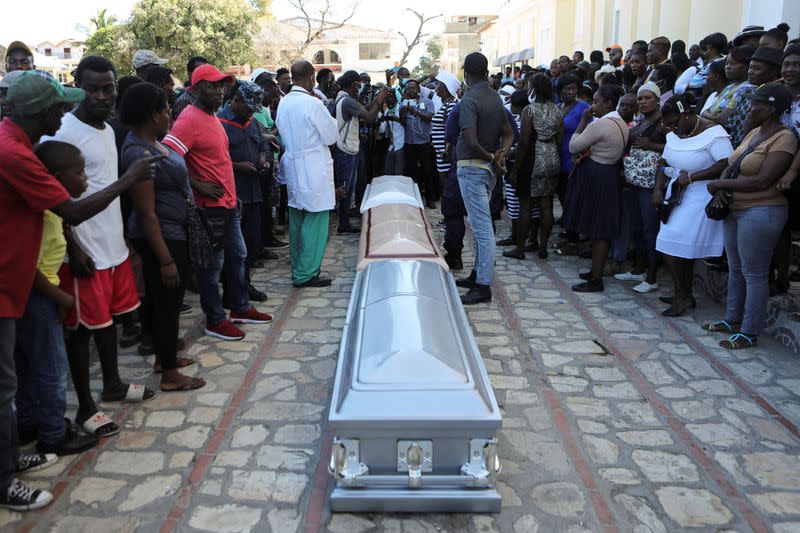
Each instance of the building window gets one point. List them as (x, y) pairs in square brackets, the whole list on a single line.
[(326, 57), (373, 51), (472, 21), (68, 53), (48, 51)]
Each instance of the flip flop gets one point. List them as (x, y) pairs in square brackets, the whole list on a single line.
[(722, 326), (182, 362), (135, 394), (100, 425), (739, 341), (192, 384)]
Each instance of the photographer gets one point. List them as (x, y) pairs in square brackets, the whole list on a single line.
[(416, 113)]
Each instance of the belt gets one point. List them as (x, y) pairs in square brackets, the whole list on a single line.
[(479, 163)]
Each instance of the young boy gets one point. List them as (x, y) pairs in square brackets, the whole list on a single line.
[(40, 353)]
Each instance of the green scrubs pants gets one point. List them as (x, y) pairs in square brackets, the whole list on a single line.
[(308, 235)]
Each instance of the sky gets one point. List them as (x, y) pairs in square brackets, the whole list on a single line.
[(34, 21)]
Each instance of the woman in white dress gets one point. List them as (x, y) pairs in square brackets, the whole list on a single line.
[(697, 150)]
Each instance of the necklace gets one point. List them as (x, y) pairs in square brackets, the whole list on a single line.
[(694, 130)]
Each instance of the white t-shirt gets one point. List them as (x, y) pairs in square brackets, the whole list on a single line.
[(102, 235)]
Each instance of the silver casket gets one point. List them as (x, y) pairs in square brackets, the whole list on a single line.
[(413, 413), (391, 190), (396, 231)]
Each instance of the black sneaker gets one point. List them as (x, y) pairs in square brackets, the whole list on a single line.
[(256, 295), (477, 294), (350, 229), (74, 442), (275, 243), (186, 308), (469, 281), (21, 497), (316, 281), (269, 255), (31, 462), (592, 285)]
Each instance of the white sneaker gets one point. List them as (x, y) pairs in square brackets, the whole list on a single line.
[(629, 276), (645, 287)]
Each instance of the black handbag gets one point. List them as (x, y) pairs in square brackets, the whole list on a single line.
[(203, 246), (668, 204), (715, 212)]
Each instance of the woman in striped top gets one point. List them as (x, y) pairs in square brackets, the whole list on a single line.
[(446, 89)]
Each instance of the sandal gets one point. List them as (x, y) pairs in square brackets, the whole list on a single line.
[(136, 393), (182, 362), (722, 326), (739, 341), (99, 425), (189, 384)]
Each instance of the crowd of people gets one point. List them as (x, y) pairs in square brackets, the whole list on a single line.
[(120, 193)]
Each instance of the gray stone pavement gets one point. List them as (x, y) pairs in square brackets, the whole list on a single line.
[(615, 419)]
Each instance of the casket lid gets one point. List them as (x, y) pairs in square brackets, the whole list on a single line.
[(408, 353), (391, 190)]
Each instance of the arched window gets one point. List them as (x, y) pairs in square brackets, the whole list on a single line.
[(326, 57)]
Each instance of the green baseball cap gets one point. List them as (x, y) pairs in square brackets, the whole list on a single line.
[(36, 91)]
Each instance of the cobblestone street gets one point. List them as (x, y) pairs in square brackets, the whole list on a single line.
[(614, 419)]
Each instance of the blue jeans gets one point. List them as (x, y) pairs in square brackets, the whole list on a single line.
[(41, 358), (344, 173), (232, 258), (750, 238), (476, 186)]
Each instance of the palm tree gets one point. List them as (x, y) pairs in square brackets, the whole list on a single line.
[(101, 20)]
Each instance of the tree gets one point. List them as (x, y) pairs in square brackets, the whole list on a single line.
[(418, 37), (318, 23), (220, 30), (102, 19), (114, 43), (429, 62)]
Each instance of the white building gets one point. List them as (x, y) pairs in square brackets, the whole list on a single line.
[(59, 58), (461, 37), (340, 49)]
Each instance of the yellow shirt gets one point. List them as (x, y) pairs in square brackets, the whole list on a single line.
[(53, 248)]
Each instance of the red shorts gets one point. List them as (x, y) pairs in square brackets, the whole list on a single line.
[(100, 297)]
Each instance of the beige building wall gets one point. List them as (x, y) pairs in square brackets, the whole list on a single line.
[(559, 27)]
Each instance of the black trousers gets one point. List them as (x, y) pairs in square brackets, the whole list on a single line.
[(163, 304), (267, 182), (421, 166), (454, 212)]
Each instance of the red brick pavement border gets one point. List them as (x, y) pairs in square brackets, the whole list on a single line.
[(602, 509), (221, 431)]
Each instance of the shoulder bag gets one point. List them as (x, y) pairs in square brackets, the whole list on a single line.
[(719, 212)]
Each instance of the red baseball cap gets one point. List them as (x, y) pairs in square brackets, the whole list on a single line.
[(209, 73)]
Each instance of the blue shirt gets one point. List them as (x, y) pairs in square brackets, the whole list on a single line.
[(245, 143), (571, 122), (417, 130), (171, 189)]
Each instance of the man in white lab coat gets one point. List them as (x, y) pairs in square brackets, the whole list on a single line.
[(307, 130)]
